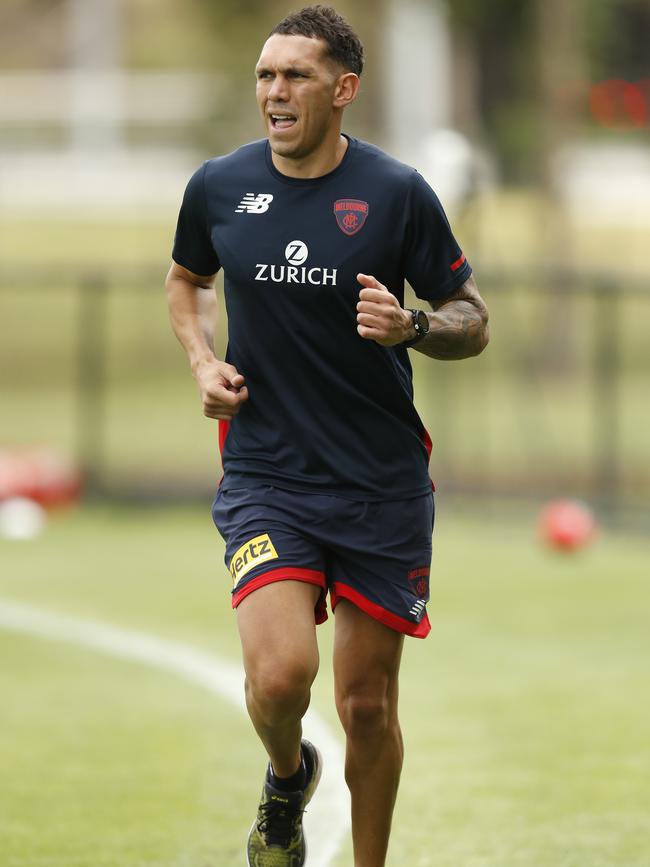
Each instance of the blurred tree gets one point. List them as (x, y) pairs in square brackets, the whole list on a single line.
[(530, 63), (618, 39), (562, 62), (496, 43)]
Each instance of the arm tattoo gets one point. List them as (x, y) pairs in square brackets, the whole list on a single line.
[(458, 325)]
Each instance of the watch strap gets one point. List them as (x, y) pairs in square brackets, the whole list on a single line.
[(419, 333)]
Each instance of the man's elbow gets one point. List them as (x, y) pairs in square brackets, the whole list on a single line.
[(482, 333), (483, 339), (171, 284)]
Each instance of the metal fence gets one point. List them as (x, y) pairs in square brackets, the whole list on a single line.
[(558, 404)]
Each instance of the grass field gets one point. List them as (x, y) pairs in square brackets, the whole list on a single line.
[(526, 712)]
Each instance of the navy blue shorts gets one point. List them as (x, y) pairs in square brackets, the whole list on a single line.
[(375, 554)]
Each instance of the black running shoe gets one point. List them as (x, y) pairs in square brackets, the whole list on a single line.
[(276, 838)]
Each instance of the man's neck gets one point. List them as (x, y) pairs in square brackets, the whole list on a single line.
[(314, 165)]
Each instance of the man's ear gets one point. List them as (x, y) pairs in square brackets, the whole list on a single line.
[(347, 88)]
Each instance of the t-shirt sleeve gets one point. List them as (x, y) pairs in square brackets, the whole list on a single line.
[(193, 248), (434, 263)]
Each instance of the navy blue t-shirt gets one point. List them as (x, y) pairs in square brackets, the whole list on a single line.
[(328, 411)]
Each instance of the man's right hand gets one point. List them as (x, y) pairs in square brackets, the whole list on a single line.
[(222, 388)]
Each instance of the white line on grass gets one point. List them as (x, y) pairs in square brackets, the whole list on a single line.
[(327, 820)]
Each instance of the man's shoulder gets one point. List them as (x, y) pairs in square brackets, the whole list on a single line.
[(244, 156), (390, 167)]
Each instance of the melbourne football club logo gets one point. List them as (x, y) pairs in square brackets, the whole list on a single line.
[(419, 581), (351, 214), (254, 204)]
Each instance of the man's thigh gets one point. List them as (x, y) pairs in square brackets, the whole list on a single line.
[(381, 562), (266, 543), (278, 633)]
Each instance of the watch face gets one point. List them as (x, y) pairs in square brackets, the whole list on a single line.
[(423, 322)]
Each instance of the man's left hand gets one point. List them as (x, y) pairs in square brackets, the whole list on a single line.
[(379, 314)]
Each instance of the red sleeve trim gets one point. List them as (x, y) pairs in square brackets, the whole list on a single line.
[(458, 263), (287, 573), (393, 621)]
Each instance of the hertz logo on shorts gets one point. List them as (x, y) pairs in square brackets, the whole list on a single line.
[(252, 553)]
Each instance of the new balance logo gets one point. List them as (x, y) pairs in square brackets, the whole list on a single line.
[(254, 204), (418, 609)]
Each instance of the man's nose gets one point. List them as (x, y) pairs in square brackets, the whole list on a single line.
[(279, 88)]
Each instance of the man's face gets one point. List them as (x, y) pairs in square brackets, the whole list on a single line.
[(296, 87)]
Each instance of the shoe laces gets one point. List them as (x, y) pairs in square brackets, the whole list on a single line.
[(277, 822)]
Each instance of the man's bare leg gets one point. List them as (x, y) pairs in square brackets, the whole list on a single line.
[(278, 636), (367, 657)]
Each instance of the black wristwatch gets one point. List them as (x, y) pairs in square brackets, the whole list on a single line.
[(420, 324)]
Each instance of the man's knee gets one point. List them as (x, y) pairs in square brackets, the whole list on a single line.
[(280, 691), (366, 713)]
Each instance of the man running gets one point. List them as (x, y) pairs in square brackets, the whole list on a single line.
[(326, 487)]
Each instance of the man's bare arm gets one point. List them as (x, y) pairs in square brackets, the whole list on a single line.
[(458, 326), (190, 298), (192, 313)]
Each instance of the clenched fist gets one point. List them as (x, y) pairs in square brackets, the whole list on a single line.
[(379, 314), (222, 389)]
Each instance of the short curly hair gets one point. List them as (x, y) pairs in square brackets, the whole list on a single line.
[(324, 22)]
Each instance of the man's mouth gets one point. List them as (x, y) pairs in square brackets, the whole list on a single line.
[(281, 120)]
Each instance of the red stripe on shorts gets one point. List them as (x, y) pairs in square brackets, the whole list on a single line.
[(394, 621), (287, 573)]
